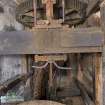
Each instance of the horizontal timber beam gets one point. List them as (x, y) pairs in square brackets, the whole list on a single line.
[(48, 41)]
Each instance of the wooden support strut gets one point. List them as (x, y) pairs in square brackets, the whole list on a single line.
[(98, 79), (102, 10), (49, 9)]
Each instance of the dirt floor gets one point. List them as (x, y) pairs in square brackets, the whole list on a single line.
[(67, 95), (73, 101)]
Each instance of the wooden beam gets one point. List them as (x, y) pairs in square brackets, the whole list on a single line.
[(85, 96), (62, 40), (93, 4)]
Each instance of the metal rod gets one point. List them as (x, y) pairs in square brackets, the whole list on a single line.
[(61, 68), (63, 9), (41, 67), (51, 75), (55, 64)]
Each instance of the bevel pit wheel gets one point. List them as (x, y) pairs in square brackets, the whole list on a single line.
[(40, 102), (75, 12)]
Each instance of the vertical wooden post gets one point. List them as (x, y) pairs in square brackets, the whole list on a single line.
[(98, 79), (102, 9), (49, 9), (51, 76), (80, 74), (24, 64), (63, 8)]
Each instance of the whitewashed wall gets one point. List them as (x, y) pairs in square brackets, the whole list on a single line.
[(10, 65), (8, 17)]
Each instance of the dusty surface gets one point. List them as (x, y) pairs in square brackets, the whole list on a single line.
[(41, 102), (77, 100), (68, 88), (67, 101)]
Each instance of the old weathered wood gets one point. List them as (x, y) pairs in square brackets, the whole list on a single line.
[(98, 79), (85, 73), (40, 102), (84, 94), (93, 4), (39, 84), (102, 97), (10, 83), (58, 41), (13, 81)]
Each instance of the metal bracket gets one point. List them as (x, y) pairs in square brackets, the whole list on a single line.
[(54, 63), (50, 59)]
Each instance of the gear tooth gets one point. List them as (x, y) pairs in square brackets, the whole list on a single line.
[(78, 6), (21, 10)]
